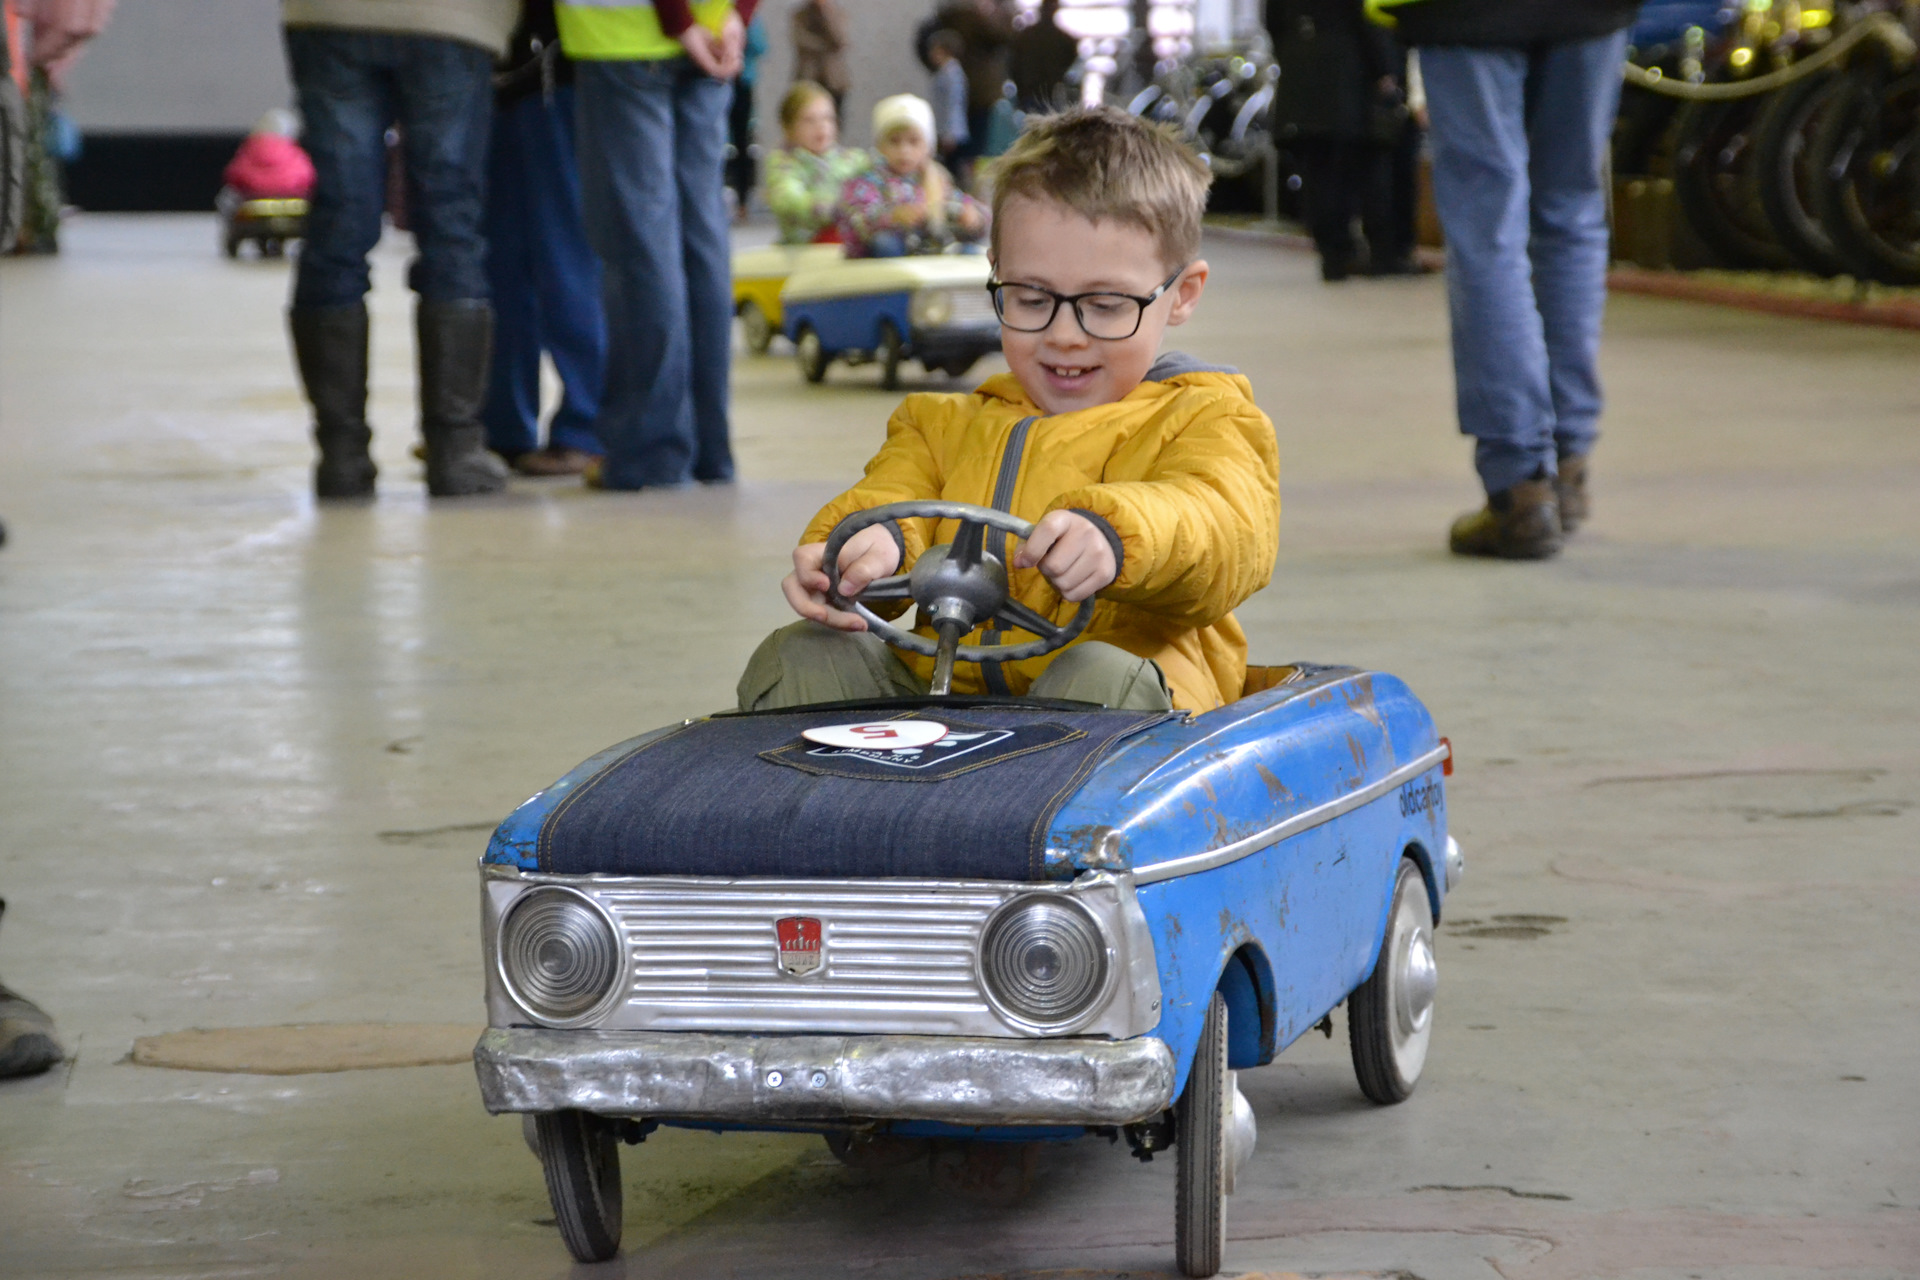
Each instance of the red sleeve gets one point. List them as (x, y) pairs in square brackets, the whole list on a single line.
[(675, 16)]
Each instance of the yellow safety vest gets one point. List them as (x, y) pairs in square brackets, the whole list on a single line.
[(1378, 11), (621, 31)]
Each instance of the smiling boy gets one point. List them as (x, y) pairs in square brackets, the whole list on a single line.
[(1152, 480)]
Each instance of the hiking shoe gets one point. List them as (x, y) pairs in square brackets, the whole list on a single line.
[(27, 1046), (1521, 523), (1570, 489), (552, 461)]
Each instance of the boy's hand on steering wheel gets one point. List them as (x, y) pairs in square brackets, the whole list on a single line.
[(872, 553), (1072, 552)]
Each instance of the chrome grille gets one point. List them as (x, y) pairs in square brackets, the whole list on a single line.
[(706, 956), (972, 308)]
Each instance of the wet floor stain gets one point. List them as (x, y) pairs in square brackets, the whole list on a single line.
[(1511, 926)]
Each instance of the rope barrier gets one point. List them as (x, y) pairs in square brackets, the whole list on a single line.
[(1884, 27)]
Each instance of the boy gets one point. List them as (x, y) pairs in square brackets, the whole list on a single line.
[(1152, 482)]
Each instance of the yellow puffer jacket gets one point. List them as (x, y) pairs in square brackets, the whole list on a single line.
[(1184, 471)]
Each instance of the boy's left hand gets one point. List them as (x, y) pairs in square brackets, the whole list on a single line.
[(1072, 552)]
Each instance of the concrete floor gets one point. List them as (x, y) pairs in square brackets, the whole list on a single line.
[(249, 751)]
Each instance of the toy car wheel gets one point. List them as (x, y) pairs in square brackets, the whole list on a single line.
[(956, 368), (1390, 1015), (812, 355), (889, 354), (1201, 1118), (230, 244), (581, 1156), (756, 328)]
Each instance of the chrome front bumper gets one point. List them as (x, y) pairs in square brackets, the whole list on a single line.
[(969, 1080)]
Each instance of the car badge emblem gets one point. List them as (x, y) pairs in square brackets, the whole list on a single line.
[(800, 947)]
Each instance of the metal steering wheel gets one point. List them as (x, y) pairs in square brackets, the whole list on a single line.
[(960, 585)]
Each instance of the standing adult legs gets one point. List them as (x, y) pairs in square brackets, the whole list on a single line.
[(700, 107), (1477, 101), (625, 127), (345, 100), (573, 328), (1329, 200), (512, 413), (1573, 96), (444, 91)]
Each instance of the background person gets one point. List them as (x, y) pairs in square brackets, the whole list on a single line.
[(820, 48), (1521, 98), (984, 28), (545, 279), (742, 170), (1039, 58), (904, 201), (651, 92), (805, 177), (428, 69), (1341, 102), (949, 94)]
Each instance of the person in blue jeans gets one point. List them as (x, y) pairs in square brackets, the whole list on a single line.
[(651, 100), (545, 278), (427, 68), (1521, 96)]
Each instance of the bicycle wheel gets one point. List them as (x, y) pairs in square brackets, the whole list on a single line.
[(1714, 181), (1783, 162), (1867, 151)]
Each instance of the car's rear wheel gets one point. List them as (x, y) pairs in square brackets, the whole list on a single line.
[(755, 328), (580, 1153), (1390, 1015), (1201, 1118), (810, 353), (889, 353)]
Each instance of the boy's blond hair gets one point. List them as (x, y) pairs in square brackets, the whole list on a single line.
[(1107, 165)]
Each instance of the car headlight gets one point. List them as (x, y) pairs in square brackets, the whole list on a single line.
[(931, 308), (559, 954), (1044, 961)]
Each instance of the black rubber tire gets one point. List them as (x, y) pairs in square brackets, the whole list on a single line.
[(755, 328), (1867, 147), (892, 349), (581, 1156), (1380, 1062), (810, 354), (1200, 1119), (1714, 181), (1783, 163)]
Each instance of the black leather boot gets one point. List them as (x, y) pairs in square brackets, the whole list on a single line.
[(456, 343), (330, 346)]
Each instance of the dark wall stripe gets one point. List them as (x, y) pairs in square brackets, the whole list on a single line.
[(150, 172)]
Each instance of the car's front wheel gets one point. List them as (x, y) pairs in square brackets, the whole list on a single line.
[(811, 354), (1390, 1015), (580, 1153), (889, 353), (1201, 1118), (755, 328)]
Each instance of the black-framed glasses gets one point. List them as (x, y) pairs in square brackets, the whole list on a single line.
[(1028, 308)]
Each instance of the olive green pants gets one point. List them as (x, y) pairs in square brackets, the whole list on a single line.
[(807, 662)]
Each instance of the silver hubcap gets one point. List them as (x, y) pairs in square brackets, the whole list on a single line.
[(1415, 979)]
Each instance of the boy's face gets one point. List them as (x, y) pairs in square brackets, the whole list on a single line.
[(1045, 243), (816, 128), (904, 150)]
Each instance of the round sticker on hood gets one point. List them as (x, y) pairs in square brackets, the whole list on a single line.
[(878, 735)]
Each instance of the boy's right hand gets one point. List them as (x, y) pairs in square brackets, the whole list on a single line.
[(868, 555)]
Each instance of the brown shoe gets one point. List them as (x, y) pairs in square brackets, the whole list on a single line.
[(1570, 488), (1521, 523), (553, 462)]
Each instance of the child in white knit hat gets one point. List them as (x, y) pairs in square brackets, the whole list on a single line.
[(905, 202)]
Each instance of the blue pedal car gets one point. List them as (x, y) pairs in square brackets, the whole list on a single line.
[(945, 920), (932, 308)]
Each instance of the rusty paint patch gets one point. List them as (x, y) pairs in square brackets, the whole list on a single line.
[(1277, 790), (1359, 696)]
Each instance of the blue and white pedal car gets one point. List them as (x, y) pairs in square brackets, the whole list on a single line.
[(933, 308), (988, 919)]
